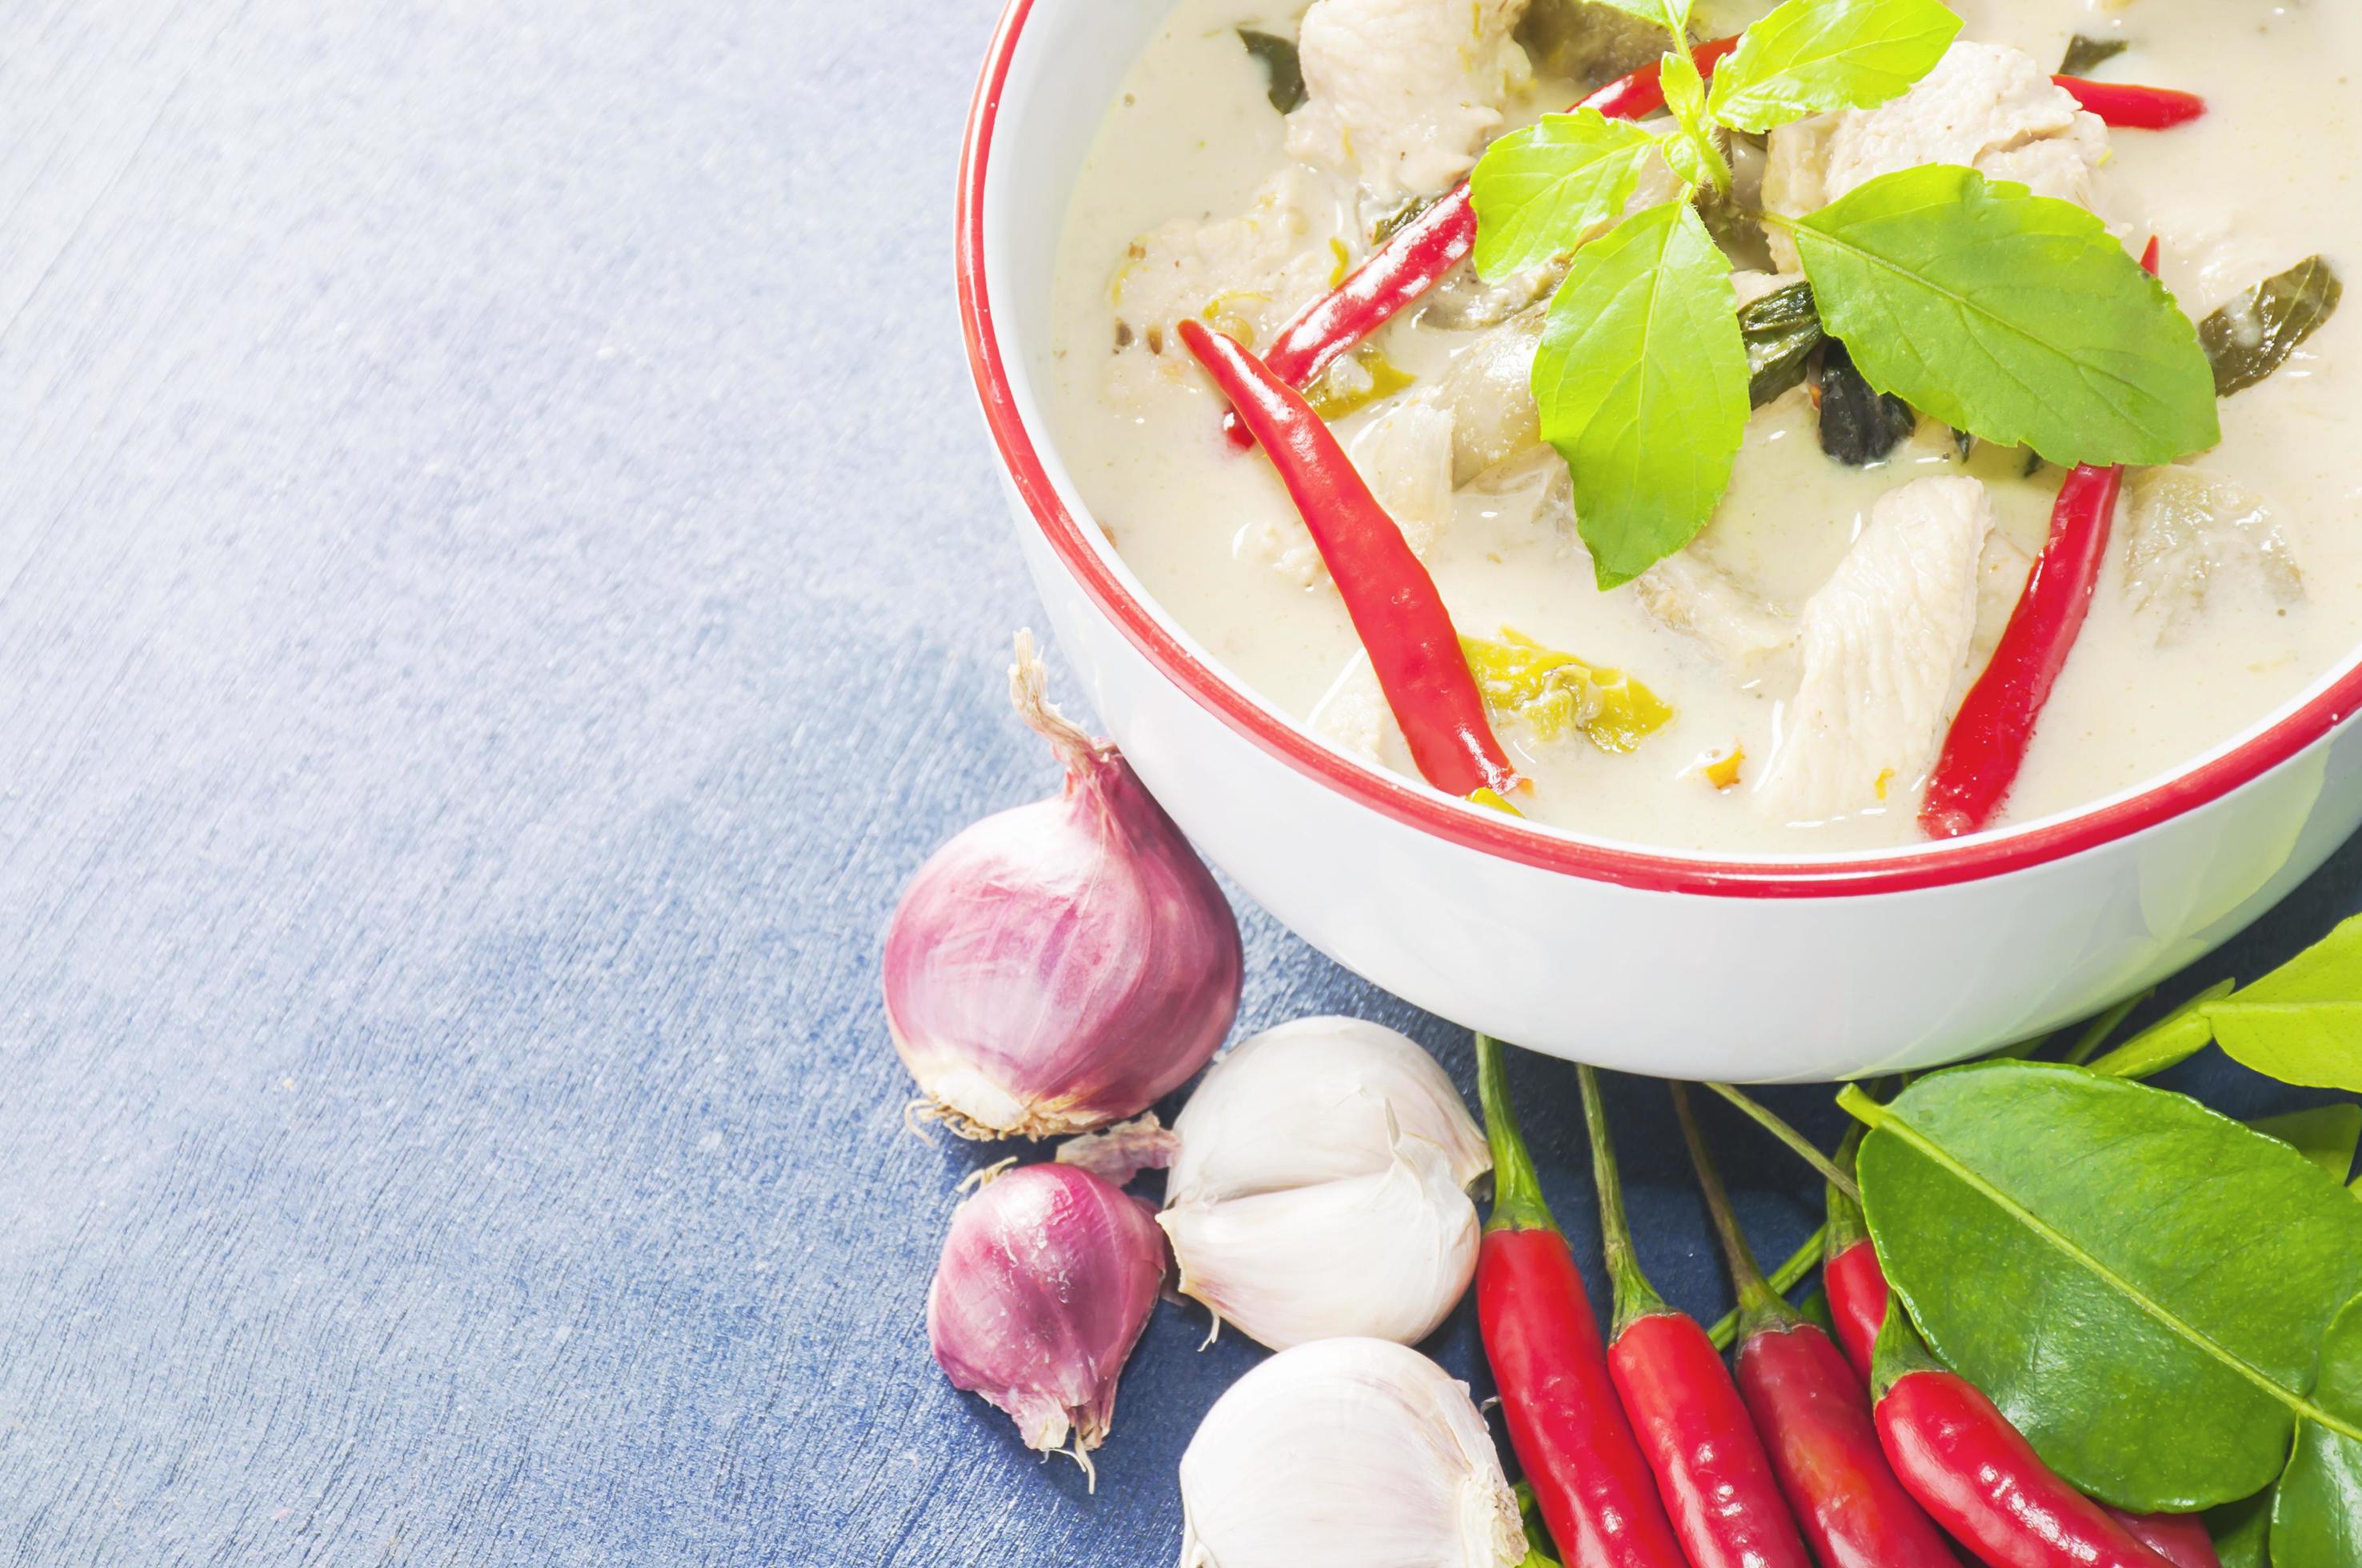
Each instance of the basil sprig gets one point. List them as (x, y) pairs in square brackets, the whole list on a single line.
[(2012, 316), (1642, 363)]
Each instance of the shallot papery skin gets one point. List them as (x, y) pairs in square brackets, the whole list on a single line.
[(1047, 1278), (1062, 965)]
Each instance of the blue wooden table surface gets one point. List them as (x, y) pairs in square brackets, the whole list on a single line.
[(501, 580)]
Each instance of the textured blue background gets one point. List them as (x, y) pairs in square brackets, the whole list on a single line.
[(500, 582)]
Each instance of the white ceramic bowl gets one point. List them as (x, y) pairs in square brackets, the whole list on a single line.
[(1679, 965)]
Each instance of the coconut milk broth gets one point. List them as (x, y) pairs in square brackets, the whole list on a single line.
[(2235, 197)]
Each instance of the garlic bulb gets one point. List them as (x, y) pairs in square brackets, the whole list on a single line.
[(1386, 1255), (1047, 1278), (1063, 965), (1348, 1454), (1307, 1102), (1320, 1186)]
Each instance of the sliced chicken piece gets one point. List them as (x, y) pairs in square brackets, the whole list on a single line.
[(1405, 456), (1884, 645), (1992, 108), (1466, 303), (1688, 593), (1751, 285), (1402, 94), (1352, 715), (1245, 274), (2192, 538)]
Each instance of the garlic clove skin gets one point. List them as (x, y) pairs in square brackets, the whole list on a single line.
[(1385, 1255), (1308, 1103), (1047, 1278), (1347, 1453), (1061, 965)]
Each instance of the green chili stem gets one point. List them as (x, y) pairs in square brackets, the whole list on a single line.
[(1518, 1202), (1771, 1123), (1759, 1306), (1784, 1278), (1635, 1297), (1898, 1352), (1846, 1224)]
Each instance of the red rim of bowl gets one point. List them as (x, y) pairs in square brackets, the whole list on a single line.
[(1415, 806)]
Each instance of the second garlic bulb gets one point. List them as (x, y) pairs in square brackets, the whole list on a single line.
[(1319, 1188), (1346, 1454)]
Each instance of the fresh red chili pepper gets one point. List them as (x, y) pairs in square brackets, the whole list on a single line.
[(1986, 744), (1416, 257), (1565, 1424), (1814, 1414), (1717, 1483), (2128, 107), (1413, 259), (1955, 1452), (2180, 1538), (1395, 608), (1850, 1277)]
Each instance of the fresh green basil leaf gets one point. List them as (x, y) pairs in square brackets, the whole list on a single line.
[(1690, 151), (2240, 1530), (2169, 1042), (1283, 72), (1642, 382), (1674, 16), (2317, 1512), (2139, 1283), (2014, 317), (2254, 334), (1811, 56), (2085, 52), (1781, 330), (1541, 191), (2328, 1135)]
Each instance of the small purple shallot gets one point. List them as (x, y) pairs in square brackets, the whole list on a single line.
[(1047, 1278)]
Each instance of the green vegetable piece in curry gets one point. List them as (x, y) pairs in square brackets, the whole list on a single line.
[(1554, 693), (1283, 72), (1361, 378), (2085, 52), (1587, 42), (1858, 425), (2254, 334), (1781, 330)]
